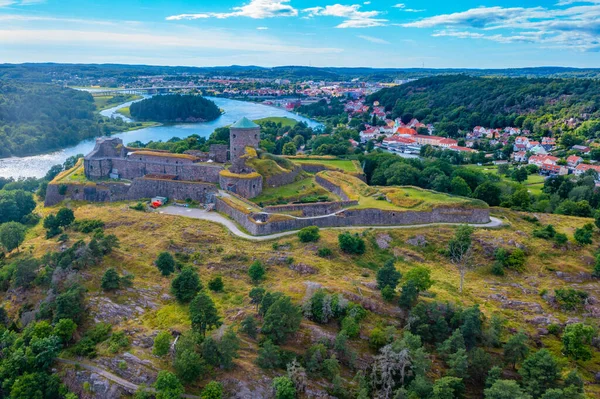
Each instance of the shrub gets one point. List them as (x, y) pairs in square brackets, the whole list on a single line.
[(213, 390), (583, 235), (256, 271), (569, 298), (87, 225), (351, 243), (576, 341), (324, 252), (388, 276), (284, 388), (387, 293), (110, 280), (309, 234), (186, 285), (216, 284), (162, 344), (165, 263)]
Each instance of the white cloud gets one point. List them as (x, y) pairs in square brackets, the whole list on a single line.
[(354, 17), (256, 9), (400, 5), (262, 28), (6, 3), (373, 39), (575, 27)]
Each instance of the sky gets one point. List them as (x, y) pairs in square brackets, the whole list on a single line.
[(375, 33)]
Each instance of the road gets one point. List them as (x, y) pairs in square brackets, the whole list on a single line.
[(114, 378), (231, 226)]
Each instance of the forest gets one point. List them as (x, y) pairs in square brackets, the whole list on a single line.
[(175, 108), (542, 106), (36, 118)]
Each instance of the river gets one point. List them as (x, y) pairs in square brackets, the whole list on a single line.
[(38, 165)]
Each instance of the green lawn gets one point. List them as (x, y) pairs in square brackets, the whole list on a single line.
[(343, 164), (125, 112), (285, 122), (534, 183), (105, 102), (293, 192)]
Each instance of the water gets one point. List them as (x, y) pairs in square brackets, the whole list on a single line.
[(38, 165)]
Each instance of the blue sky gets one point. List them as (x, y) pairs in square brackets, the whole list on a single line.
[(376, 33)]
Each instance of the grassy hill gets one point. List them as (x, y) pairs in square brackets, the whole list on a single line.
[(295, 268)]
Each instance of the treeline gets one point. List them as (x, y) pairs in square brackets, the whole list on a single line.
[(463, 102), (36, 118), (175, 108)]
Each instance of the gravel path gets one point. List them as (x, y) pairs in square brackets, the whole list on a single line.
[(218, 218)]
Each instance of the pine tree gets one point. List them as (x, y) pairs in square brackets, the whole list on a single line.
[(203, 313), (110, 280), (186, 285), (165, 263)]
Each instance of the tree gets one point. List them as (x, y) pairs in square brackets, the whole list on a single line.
[(289, 149), (249, 326), (269, 355), (203, 313), (459, 364), (309, 234), (165, 263), (515, 349), (583, 235), (519, 175), (216, 284), (388, 276), (479, 365), (488, 192), (391, 367), (447, 388), (256, 295), (458, 186), (25, 271), (576, 341), (461, 251), (162, 343), (409, 294), (188, 365), (282, 318), (387, 293), (12, 234), (110, 280), (213, 390), (64, 330), (228, 348), (256, 271), (539, 371), (284, 388), (186, 285), (421, 276), (351, 243), (167, 386), (505, 389), (65, 217)]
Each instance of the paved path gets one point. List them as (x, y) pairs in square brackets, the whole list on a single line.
[(114, 378), (218, 218)]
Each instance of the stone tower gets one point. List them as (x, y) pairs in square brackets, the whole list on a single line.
[(244, 133)]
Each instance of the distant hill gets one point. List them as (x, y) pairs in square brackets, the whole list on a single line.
[(48, 72), (175, 108)]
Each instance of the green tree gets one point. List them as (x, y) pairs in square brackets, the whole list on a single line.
[(269, 355), (216, 284), (284, 388), (351, 243), (409, 294), (188, 365), (228, 348), (110, 280), (64, 329), (421, 276), (12, 235), (388, 276), (289, 149), (488, 192), (505, 389), (249, 326), (213, 390), (583, 236), (256, 271), (256, 295), (459, 364), (458, 186), (203, 313), (162, 343), (282, 318), (167, 386), (186, 285), (539, 371), (576, 341), (388, 293), (309, 234), (65, 217), (447, 388), (165, 263), (515, 349)]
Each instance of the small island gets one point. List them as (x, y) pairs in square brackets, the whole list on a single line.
[(175, 108)]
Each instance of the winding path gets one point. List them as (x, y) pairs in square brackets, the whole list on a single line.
[(114, 378), (231, 226)]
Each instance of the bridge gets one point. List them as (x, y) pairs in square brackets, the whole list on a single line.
[(144, 90)]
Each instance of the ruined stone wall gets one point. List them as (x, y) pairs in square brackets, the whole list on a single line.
[(308, 210), (334, 188), (218, 152), (356, 217), (247, 187), (139, 188), (281, 179)]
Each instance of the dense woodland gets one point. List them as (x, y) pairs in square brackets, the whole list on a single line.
[(37, 118), (462, 102), (175, 108)]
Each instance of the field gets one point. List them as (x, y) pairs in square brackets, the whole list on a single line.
[(293, 192), (105, 102), (285, 122), (343, 164), (213, 251), (534, 183)]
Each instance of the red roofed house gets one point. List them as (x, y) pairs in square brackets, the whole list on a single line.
[(519, 156), (582, 168), (540, 160), (553, 170), (573, 161), (461, 149), (405, 131)]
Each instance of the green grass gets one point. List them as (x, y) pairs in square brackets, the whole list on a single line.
[(292, 192), (285, 122), (105, 102), (534, 183), (343, 164), (125, 112)]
